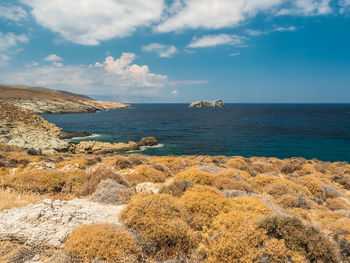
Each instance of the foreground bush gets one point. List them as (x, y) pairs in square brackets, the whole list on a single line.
[(233, 239), (197, 176), (104, 242), (204, 203), (44, 181), (161, 218), (306, 240)]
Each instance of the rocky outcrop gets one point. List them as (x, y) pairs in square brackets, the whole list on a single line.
[(50, 222), (207, 104), (23, 128), (95, 147), (65, 135), (42, 100)]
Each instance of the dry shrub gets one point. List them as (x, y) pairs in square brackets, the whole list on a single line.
[(76, 163), (204, 203), (163, 168), (105, 242), (237, 162), (175, 164), (11, 252), (251, 206), (176, 188), (122, 163), (293, 165), (110, 192), (331, 192), (197, 176), (43, 181), (160, 217), (225, 183), (304, 239), (4, 171), (233, 239), (314, 185), (284, 186), (145, 173), (100, 174), (289, 201), (137, 159), (343, 179), (10, 198), (337, 204)]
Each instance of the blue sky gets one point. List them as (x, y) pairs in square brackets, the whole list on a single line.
[(245, 51)]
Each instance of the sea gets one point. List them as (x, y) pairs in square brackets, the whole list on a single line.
[(319, 131)]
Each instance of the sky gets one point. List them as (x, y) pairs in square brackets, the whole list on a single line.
[(241, 51)]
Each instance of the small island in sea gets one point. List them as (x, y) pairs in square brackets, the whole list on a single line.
[(104, 159), (207, 104)]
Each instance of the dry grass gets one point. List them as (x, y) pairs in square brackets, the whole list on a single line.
[(11, 198)]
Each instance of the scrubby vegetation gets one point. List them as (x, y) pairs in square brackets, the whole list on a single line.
[(208, 209), (104, 242)]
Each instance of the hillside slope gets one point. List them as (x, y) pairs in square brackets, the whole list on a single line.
[(43, 100), (23, 128)]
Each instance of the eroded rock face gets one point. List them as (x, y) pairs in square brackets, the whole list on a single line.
[(23, 128), (207, 104), (148, 141), (50, 222)]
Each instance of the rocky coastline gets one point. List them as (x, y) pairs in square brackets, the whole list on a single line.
[(23, 128)]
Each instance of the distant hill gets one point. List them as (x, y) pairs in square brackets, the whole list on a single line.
[(43, 100)]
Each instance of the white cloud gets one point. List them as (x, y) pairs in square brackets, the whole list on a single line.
[(307, 8), (4, 59), (135, 75), (213, 14), (235, 54), (88, 22), (163, 51), (215, 40), (290, 28), (15, 13), (344, 6), (57, 64), (112, 77), (10, 40), (52, 58), (174, 92)]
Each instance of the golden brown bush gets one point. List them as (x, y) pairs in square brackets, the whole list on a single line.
[(145, 173), (237, 162), (285, 186), (80, 163), (175, 164), (176, 188), (160, 217), (337, 204), (44, 181), (95, 177), (104, 242), (225, 183), (122, 162), (288, 201), (4, 171), (233, 239), (251, 206), (304, 239), (314, 185), (11, 252), (197, 176), (204, 203)]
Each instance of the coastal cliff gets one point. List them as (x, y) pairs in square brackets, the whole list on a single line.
[(23, 128), (43, 100), (207, 104)]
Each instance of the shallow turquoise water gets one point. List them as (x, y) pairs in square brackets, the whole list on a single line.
[(319, 131)]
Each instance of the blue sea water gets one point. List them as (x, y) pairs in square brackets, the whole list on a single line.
[(319, 131)]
